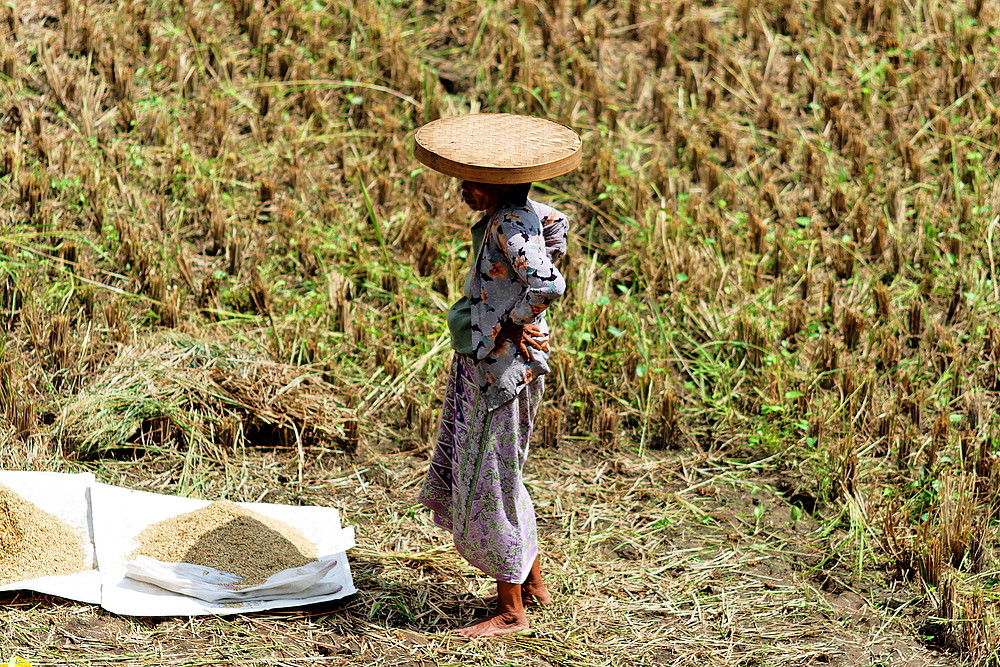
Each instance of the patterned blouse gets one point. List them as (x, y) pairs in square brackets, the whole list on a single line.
[(516, 281)]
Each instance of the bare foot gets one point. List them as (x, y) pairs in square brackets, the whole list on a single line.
[(507, 623), (536, 595), (533, 590)]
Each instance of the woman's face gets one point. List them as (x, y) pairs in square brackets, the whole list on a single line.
[(481, 196)]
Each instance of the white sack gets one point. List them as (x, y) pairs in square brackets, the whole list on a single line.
[(131, 512)]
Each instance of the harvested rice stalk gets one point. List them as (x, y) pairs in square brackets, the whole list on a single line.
[(190, 390)]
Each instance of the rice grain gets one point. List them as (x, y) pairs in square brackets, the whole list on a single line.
[(228, 537), (35, 543)]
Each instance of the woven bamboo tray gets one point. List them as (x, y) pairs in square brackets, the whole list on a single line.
[(498, 147)]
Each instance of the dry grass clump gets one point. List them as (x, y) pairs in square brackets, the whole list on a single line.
[(34, 542), (177, 391)]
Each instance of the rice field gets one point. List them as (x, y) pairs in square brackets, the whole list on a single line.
[(770, 434)]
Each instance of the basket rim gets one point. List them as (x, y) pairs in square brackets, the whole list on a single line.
[(443, 157)]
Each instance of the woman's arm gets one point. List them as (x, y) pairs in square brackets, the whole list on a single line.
[(555, 228), (523, 337)]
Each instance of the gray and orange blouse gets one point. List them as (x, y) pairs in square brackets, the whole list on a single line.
[(513, 278)]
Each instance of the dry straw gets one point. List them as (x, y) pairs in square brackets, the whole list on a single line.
[(174, 388)]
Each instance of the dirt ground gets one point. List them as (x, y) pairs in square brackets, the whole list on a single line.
[(655, 558)]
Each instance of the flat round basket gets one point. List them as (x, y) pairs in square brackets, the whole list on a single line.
[(498, 148)]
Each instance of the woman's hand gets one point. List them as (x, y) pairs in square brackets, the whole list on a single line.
[(522, 337)]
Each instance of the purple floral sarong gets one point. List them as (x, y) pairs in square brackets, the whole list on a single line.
[(475, 485)]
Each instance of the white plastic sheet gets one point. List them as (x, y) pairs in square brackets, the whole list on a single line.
[(134, 511), (111, 518)]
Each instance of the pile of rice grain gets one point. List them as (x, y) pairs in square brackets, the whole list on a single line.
[(230, 538), (34, 543)]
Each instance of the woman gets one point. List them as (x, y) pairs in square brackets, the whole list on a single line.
[(475, 486)]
